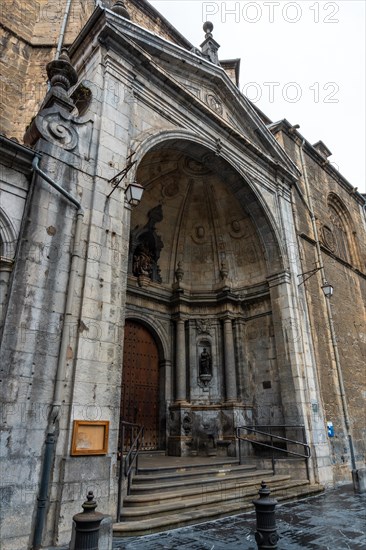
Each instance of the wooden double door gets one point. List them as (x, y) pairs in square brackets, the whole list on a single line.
[(140, 382)]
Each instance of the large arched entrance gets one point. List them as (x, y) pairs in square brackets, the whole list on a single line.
[(140, 382), (205, 264)]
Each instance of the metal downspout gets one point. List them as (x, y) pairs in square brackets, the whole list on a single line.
[(329, 311), (51, 437), (63, 29)]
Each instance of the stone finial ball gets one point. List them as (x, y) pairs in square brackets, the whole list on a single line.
[(208, 26)]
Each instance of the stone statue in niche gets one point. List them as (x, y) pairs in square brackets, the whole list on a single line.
[(204, 365), (145, 248), (142, 261), (205, 362)]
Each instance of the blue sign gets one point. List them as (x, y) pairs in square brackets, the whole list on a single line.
[(330, 429)]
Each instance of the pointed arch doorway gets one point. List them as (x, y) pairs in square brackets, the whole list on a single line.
[(140, 382)]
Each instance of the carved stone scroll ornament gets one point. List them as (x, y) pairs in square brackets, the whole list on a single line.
[(54, 121), (54, 126), (58, 129)]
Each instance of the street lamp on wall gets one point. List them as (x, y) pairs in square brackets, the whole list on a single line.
[(328, 289), (134, 193)]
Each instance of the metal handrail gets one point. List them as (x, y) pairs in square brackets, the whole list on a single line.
[(306, 455), (130, 461)]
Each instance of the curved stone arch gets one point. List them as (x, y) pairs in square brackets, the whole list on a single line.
[(8, 236), (150, 139), (155, 328), (154, 139), (335, 202)]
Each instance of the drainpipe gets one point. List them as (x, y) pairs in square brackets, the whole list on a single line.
[(51, 437), (329, 310), (63, 29)]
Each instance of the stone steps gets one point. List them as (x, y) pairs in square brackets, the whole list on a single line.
[(165, 498), (147, 484), (193, 467), (199, 489), (193, 502)]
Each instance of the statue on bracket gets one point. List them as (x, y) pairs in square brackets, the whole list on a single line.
[(145, 248), (142, 261)]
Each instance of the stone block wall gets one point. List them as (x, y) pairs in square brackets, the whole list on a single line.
[(29, 33), (335, 204)]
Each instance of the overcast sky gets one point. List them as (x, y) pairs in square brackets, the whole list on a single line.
[(303, 61)]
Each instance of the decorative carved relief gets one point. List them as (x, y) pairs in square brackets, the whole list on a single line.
[(328, 237), (237, 229), (187, 424), (214, 103), (193, 167), (170, 188), (193, 89), (61, 131), (54, 127), (204, 326), (199, 233)]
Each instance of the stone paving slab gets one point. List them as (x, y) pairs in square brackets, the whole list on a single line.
[(335, 520)]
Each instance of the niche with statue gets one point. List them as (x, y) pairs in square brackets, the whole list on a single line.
[(204, 354), (145, 248)]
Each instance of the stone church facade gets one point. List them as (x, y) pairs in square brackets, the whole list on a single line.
[(197, 311)]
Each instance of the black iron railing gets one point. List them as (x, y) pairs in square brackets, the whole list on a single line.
[(131, 441), (267, 439)]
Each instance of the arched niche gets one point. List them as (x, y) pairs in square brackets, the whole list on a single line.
[(340, 235), (212, 229)]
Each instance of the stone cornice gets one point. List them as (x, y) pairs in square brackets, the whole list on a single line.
[(160, 294), (144, 49), (284, 126), (279, 279), (16, 156)]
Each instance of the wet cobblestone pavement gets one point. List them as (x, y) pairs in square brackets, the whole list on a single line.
[(335, 520)]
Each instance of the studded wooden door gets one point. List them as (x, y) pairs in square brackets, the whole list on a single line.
[(140, 382)]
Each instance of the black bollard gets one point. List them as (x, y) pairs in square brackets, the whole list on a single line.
[(87, 524), (266, 534)]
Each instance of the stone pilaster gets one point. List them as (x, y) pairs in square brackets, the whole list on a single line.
[(230, 367), (181, 374)]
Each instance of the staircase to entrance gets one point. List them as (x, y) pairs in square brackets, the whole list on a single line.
[(169, 492)]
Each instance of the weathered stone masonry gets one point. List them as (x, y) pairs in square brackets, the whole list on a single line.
[(211, 259)]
